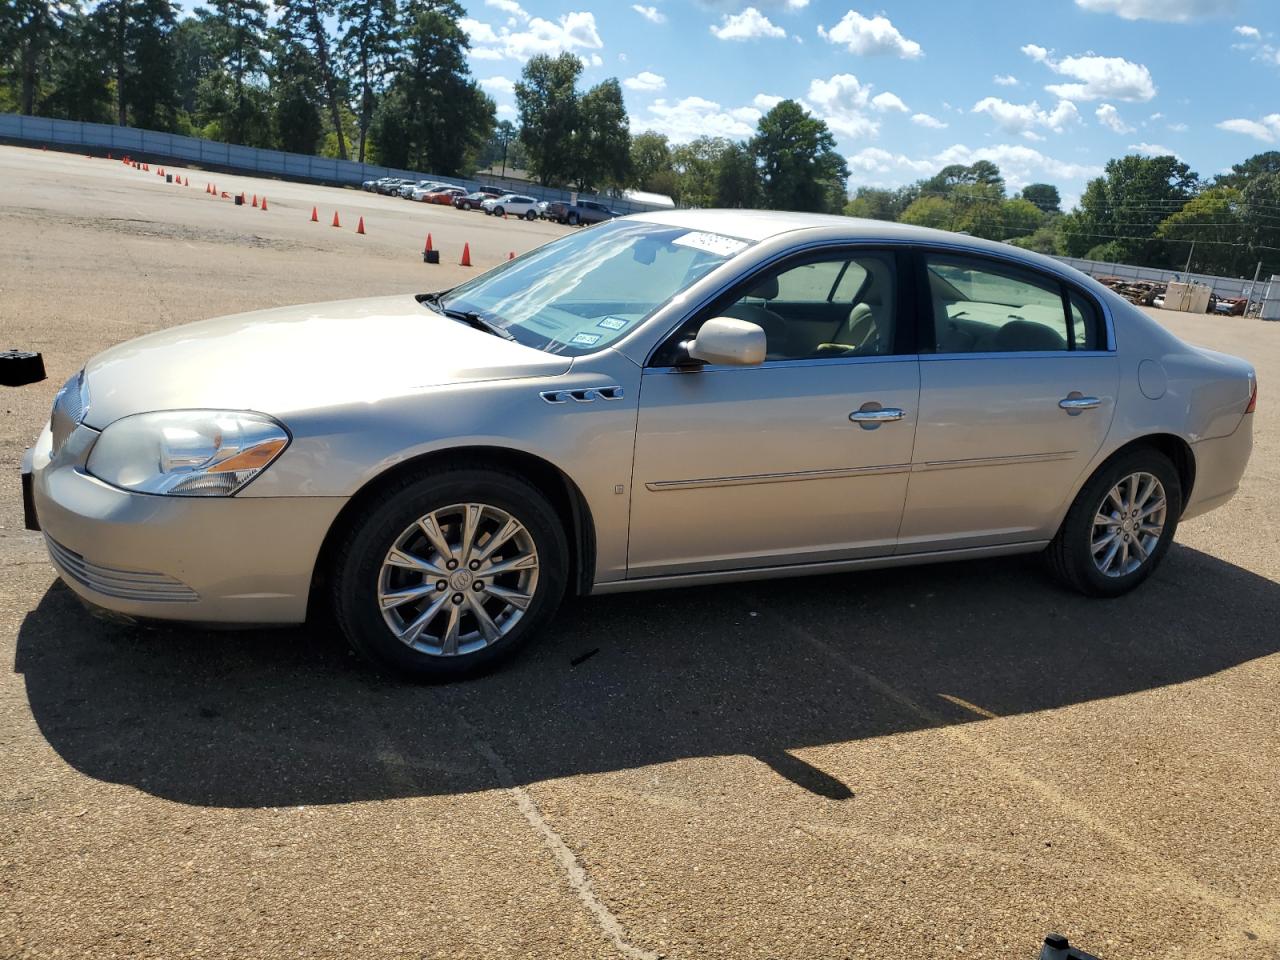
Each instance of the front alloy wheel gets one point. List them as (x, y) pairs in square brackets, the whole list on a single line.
[(458, 579), (1128, 525), (441, 575)]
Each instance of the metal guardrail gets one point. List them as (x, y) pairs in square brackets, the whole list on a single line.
[(152, 145)]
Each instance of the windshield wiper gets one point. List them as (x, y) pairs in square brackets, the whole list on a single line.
[(469, 317)]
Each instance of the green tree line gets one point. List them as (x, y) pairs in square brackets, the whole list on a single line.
[(1148, 211)]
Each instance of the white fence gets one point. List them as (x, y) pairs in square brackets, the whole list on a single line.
[(1265, 294), (151, 146)]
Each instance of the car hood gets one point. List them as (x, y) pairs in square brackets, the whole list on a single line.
[(303, 358)]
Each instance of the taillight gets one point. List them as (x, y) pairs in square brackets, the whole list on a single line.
[(1253, 398)]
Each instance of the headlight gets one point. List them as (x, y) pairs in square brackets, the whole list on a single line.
[(189, 453)]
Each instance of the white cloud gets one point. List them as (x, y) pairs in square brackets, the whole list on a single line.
[(925, 120), (644, 80), (1153, 150), (1176, 11), (693, 117), (1267, 129), (506, 110), (595, 60), (498, 85), (1005, 80), (765, 102), (1247, 31), (1100, 78), (1179, 127), (750, 24), (884, 102), (1024, 117), (869, 36), (841, 102), (875, 160), (571, 32), (1110, 118), (508, 6), (652, 14)]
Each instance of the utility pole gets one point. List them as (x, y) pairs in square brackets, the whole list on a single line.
[(1187, 269)]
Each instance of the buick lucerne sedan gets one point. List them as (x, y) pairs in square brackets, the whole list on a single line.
[(673, 398)]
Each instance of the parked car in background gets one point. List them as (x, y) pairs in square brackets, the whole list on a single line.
[(514, 204), (472, 200), (371, 184), (619, 412), (541, 208), (391, 185), (444, 195), (417, 189), (584, 211)]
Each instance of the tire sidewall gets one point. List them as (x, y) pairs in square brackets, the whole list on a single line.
[(374, 531), (1079, 524)]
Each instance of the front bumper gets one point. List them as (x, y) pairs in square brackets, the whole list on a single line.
[(208, 560)]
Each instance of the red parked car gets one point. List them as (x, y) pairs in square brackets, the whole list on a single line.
[(445, 195)]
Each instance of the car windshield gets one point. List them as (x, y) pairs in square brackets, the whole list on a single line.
[(580, 293)]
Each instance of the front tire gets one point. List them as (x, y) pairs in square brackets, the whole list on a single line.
[(499, 211), (531, 216), (1120, 525), (573, 220), (493, 541)]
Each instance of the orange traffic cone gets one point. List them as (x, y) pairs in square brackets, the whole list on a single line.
[(208, 187), (255, 201), (335, 219), (511, 255), (264, 203), (315, 218), (466, 256), (360, 226), (427, 248), (186, 181)]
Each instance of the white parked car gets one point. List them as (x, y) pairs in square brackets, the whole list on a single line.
[(424, 187), (514, 204)]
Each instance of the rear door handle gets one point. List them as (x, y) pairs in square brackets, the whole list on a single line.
[(876, 417), (1075, 402)]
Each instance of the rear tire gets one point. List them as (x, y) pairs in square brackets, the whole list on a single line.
[(573, 219), (386, 592), (498, 211), (1120, 525), (531, 215)]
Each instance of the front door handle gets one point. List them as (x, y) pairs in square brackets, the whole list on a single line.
[(874, 417), (1075, 401)]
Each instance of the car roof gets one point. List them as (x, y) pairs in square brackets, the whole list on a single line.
[(757, 225)]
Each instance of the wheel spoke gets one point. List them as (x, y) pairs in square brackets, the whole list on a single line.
[(409, 635), (525, 561), (517, 599), (470, 524), (1105, 520), (509, 530), (409, 561), (1139, 549), (487, 627), (1123, 559), (1114, 497), (397, 598), (449, 642), (1145, 494), (1106, 541), (1154, 508), (1109, 559), (431, 530)]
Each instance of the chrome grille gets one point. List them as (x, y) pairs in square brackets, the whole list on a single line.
[(124, 584), (69, 408)]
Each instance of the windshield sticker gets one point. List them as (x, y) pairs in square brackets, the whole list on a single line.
[(711, 242), (612, 323), (586, 339)]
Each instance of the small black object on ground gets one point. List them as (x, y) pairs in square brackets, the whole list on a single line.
[(1056, 947), (20, 367)]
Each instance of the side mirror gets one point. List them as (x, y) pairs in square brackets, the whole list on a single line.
[(727, 340)]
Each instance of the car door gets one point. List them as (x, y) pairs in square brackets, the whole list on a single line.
[(1018, 381), (803, 458)]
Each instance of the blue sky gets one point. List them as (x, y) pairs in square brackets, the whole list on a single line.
[(1047, 89)]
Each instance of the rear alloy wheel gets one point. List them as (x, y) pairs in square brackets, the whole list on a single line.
[(1120, 525), (447, 574)]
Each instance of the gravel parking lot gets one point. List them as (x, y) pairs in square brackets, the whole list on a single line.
[(924, 762)]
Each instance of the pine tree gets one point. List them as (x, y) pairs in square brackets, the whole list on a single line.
[(366, 47), (304, 22), (239, 30)]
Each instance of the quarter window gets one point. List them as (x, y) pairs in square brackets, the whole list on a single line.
[(981, 307)]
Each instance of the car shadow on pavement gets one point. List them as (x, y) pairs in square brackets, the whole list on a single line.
[(274, 718)]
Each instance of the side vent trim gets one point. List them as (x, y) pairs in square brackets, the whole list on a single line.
[(584, 395)]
